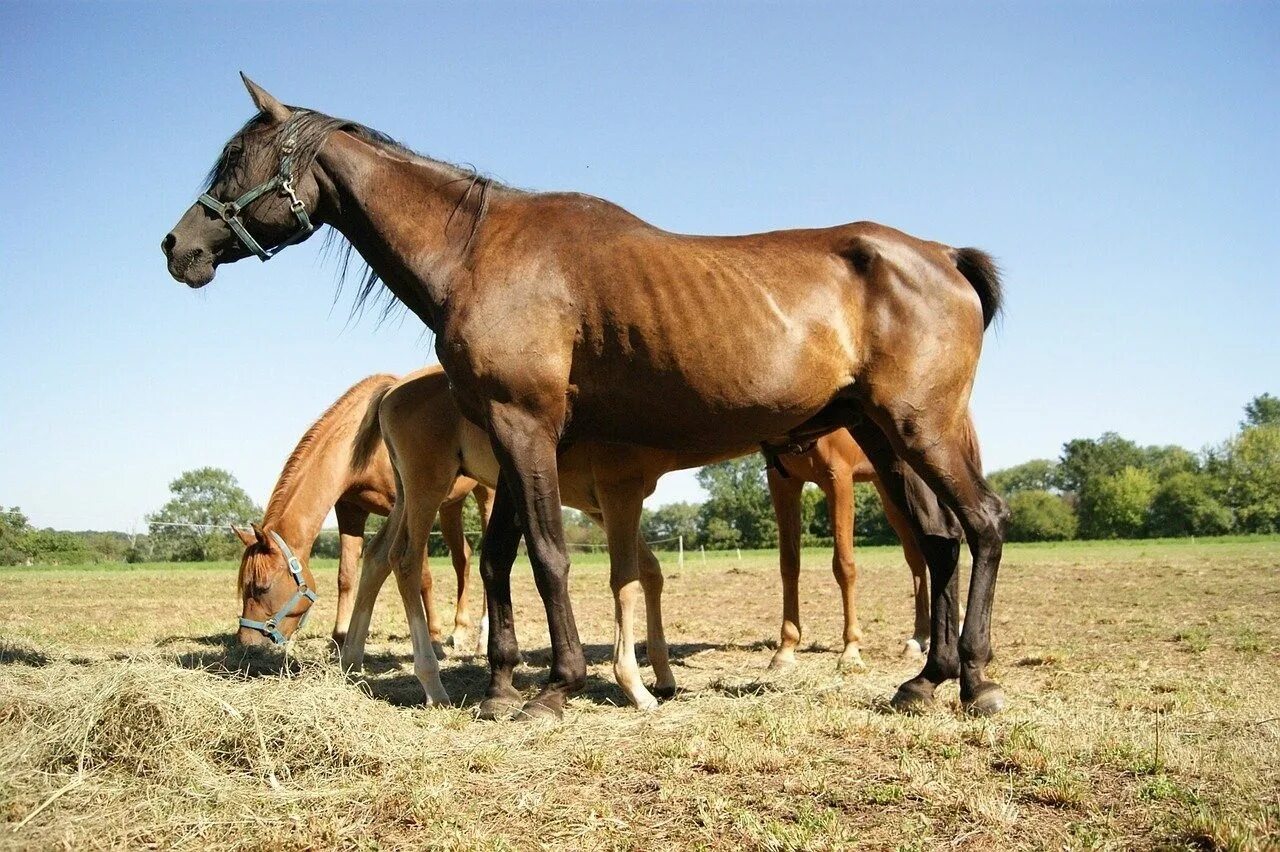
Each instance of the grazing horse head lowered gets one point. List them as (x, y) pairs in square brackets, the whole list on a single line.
[(562, 318)]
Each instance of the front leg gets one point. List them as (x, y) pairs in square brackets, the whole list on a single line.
[(497, 626), (351, 522), (525, 444)]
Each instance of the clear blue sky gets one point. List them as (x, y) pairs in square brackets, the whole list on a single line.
[(1119, 159)]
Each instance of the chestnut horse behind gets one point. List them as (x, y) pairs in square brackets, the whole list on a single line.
[(317, 477)]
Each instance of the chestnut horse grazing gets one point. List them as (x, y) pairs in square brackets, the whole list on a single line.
[(562, 318), (319, 476), (431, 444)]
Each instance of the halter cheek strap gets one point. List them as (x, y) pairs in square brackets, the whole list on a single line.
[(271, 627), (283, 181)]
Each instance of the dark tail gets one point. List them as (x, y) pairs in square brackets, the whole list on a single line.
[(982, 272), (369, 434)]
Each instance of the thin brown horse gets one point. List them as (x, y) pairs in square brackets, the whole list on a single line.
[(431, 444), (562, 318), (319, 476)]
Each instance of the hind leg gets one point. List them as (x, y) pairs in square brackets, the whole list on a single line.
[(785, 494), (918, 643), (620, 504), (937, 534), (664, 685), (839, 491), (460, 556), (945, 454)]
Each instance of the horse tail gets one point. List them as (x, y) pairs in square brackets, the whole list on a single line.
[(982, 273), (369, 434)]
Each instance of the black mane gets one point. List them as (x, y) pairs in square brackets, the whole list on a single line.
[(308, 130)]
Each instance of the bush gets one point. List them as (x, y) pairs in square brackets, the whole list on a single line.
[(1116, 505), (1040, 516), (1186, 504)]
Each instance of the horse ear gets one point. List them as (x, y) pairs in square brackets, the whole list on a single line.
[(261, 536), (246, 537), (264, 100)]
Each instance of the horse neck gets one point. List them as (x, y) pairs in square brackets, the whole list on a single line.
[(317, 474), (407, 216)]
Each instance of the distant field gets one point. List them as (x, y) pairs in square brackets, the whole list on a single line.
[(1145, 712)]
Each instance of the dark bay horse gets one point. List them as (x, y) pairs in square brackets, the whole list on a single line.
[(560, 318)]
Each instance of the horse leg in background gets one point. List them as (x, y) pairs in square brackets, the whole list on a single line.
[(664, 681), (422, 499), (918, 644), (840, 504), (484, 500), (620, 504), (497, 554), (944, 457), (524, 442), (351, 522), (373, 573), (460, 555), (785, 493)]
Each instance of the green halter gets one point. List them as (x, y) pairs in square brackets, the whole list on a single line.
[(283, 180), (271, 627)]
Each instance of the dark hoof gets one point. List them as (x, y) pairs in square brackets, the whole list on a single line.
[(438, 647), (911, 700), (664, 693), (498, 707), (989, 701), (539, 709)]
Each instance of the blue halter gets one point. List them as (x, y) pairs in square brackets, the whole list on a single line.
[(271, 627)]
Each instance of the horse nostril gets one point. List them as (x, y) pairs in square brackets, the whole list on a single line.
[(167, 244)]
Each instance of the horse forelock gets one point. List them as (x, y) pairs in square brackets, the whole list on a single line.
[(257, 570)]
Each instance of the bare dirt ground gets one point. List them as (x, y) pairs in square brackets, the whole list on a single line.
[(1145, 712)]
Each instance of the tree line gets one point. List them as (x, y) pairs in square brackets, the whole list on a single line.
[(1097, 488)]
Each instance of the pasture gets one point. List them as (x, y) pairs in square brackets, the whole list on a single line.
[(1145, 712)]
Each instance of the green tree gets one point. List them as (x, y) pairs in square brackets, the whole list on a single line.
[(1187, 504), (15, 531), (1035, 475), (1085, 459), (671, 521), (1038, 515), (1170, 460), (738, 498), (870, 525), (210, 500), (1262, 411), (1116, 505), (1248, 467)]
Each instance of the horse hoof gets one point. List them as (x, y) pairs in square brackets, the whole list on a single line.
[(498, 708), (664, 693), (914, 648), (989, 701), (535, 709), (851, 665), (782, 663), (911, 702), (438, 647)]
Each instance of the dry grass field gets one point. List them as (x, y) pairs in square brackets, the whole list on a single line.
[(1145, 712)]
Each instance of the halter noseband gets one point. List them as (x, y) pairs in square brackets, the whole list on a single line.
[(283, 180), (271, 627)]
